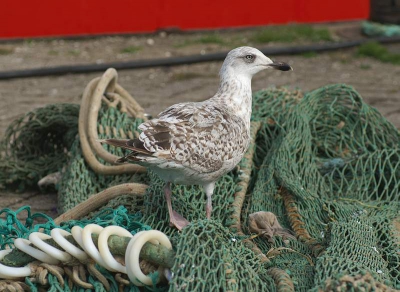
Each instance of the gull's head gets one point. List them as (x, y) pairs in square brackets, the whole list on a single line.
[(248, 61)]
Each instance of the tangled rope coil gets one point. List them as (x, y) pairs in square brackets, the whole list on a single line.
[(104, 89), (107, 90)]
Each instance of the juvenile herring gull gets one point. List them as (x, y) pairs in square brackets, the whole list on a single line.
[(195, 143)]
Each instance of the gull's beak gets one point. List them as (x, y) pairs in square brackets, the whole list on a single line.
[(280, 66)]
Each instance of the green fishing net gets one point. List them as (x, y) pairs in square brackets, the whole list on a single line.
[(324, 162), (79, 179), (37, 144), (375, 29)]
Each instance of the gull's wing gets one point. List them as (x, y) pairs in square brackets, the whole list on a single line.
[(201, 136)]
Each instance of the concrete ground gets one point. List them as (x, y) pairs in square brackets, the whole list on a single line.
[(157, 88)]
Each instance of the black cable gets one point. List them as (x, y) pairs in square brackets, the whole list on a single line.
[(175, 61)]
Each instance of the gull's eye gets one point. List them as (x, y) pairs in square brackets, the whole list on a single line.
[(249, 58)]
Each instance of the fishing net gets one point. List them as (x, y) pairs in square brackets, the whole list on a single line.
[(375, 29), (324, 163), (37, 144)]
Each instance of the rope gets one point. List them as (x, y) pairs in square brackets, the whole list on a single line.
[(282, 280), (298, 224), (15, 286), (88, 115), (246, 168), (96, 201)]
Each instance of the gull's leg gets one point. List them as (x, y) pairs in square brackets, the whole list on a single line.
[(175, 218), (209, 189)]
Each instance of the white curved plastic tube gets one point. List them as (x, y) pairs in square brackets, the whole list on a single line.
[(76, 232), (23, 245), (104, 249), (134, 272), (89, 246), (83, 237), (12, 272), (58, 236), (37, 239)]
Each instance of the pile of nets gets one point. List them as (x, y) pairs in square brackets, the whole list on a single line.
[(37, 144), (374, 29), (324, 162)]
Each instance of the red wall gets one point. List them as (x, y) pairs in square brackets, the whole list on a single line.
[(38, 18)]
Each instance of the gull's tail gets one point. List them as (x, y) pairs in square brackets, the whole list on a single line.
[(135, 145)]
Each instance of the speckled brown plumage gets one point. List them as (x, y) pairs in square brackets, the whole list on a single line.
[(198, 142), (201, 136)]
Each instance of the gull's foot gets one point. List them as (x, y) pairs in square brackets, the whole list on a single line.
[(178, 221)]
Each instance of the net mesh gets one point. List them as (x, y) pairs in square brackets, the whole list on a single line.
[(37, 144), (324, 162), (78, 178)]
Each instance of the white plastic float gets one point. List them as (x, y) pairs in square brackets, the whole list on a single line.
[(51, 255)]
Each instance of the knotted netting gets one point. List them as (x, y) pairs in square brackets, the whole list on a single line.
[(37, 144), (323, 162)]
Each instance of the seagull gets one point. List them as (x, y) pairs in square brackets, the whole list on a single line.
[(195, 143)]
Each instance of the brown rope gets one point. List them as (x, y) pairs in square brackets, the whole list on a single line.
[(297, 223), (96, 201), (241, 194), (68, 271), (91, 148), (244, 180), (120, 279), (356, 283), (74, 275), (88, 115), (41, 275), (98, 275), (57, 271), (13, 286), (282, 280), (107, 83)]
